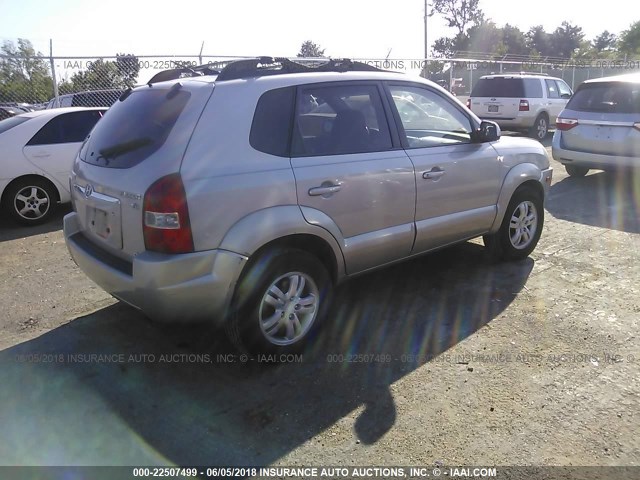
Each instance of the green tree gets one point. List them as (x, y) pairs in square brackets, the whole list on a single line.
[(629, 43), (604, 42), (24, 74), (128, 68), (514, 40), (459, 14), (309, 49), (566, 39), (485, 37), (538, 41)]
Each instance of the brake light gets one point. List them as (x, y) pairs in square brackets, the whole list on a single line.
[(166, 225), (469, 103), (524, 106), (565, 124)]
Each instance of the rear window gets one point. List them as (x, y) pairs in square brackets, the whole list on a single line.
[(611, 97), (135, 128), (271, 127), (499, 87), (11, 122)]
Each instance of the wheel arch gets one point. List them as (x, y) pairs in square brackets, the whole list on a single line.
[(30, 176), (523, 175)]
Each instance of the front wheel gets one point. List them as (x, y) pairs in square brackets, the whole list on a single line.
[(521, 227), (279, 302)]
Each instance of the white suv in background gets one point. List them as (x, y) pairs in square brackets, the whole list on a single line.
[(526, 102)]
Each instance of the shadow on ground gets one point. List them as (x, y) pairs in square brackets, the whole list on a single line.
[(608, 200), (113, 388), (10, 230)]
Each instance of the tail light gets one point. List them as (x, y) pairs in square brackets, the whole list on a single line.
[(166, 224), (469, 103), (524, 106), (636, 125), (565, 124)]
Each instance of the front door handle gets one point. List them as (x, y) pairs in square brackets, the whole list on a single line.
[(324, 190), (433, 174)]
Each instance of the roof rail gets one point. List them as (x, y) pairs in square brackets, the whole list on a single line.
[(175, 73), (263, 66), (542, 74)]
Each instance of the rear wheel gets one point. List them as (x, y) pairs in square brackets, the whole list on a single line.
[(576, 171), (521, 227), (540, 128), (279, 302), (30, 201)]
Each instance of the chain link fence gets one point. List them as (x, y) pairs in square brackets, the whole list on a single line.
[(36, 82)]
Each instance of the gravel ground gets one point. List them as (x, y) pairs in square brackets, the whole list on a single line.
[(448, 359)]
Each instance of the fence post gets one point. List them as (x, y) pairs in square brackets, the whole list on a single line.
[(573, 78), (53, 74)]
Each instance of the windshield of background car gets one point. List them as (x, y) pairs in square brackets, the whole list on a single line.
[(608, 97), (134, 128), (11, 122), (505, 87)]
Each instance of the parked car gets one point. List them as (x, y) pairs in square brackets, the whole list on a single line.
[(8, 112), (600, 127), (93, 98), (243, 198), (38, 149), (525, 102)]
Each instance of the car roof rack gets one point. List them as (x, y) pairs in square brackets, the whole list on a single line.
[(175, 73), (264, 66)]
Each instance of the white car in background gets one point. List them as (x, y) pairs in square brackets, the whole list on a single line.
[(38, 150)]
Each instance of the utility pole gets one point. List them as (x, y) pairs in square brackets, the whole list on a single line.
[(426, 41)]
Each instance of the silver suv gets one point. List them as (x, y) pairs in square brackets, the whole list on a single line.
[(600, 127), (526, 102), (243, 197)]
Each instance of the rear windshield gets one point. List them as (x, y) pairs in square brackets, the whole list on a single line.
[(612, 97), (134, 128), (11, 122), (501, 87)]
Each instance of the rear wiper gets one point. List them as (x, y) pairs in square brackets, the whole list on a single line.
[(124, 147)]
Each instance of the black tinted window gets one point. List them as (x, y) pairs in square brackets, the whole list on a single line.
[(340, 120), (499, 87), (66, 128), (614, 97), (135, 128), (532, 88), (270, 131)]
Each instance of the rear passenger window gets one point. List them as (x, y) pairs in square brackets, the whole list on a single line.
[(271, 127), (552, 89), (339, 120), (66, 128), (532, 88)]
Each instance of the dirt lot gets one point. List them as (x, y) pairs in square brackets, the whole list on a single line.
[(448, 359)]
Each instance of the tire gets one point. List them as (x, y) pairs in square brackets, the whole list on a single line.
[(265, 316), (540, 128), (30, 201), (576, 171), (521, 227)]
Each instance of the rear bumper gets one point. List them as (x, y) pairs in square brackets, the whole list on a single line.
[(590, 160), (518, 123), (168, 288)]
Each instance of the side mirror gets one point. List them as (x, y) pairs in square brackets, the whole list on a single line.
[(488, 132), (565, 95)]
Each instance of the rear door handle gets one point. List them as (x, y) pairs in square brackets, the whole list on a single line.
[(324, 190), (433, 174)]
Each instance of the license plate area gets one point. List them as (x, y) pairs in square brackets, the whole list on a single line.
[(102, 219), (492, 109)]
